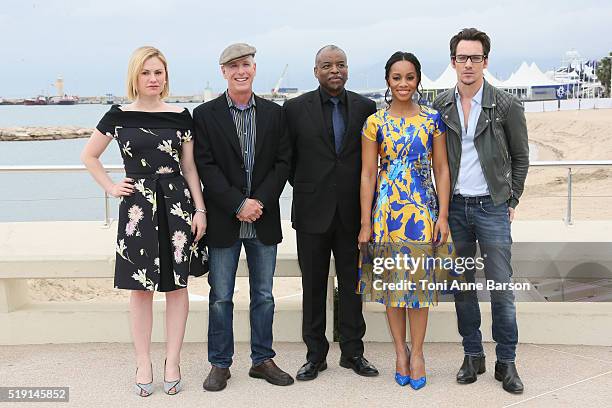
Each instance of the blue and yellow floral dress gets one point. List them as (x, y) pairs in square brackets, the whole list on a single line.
[(404, 213)]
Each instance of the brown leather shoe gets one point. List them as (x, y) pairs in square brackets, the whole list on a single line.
[(270, 372), (217, 379)]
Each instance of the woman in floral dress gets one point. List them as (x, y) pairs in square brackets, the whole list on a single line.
[(403, 215), (159, 230)]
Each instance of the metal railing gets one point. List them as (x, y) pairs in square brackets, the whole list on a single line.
[(110, 168), (567, 164)]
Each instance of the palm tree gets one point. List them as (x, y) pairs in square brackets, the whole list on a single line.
[(603, 72)]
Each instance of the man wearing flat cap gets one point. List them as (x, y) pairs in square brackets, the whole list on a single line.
[(243, 156)]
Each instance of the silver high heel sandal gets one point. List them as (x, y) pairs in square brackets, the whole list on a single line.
[(172, 387), (144, 390)]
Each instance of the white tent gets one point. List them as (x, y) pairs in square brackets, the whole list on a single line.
[(534, 67), (492, 80), (541, 76), (426, 83), (519, 78), (528, 76), (447, 80)]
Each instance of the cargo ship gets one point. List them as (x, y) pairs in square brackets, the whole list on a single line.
[(64, 100), (39, 100)]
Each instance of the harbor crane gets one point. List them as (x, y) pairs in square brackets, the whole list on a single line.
[(280, 80)]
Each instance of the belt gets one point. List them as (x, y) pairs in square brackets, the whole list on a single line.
[(471, 199), (153, 176)]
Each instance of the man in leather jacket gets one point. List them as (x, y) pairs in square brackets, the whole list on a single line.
[(488, 155)]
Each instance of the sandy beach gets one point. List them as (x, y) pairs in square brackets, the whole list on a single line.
[(567, 135)]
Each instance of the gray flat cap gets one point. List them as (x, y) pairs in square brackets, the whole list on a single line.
[(236, 51)]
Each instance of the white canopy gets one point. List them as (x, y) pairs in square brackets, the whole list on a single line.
[(528, 76), (426, 83), (492, 80), (447, 80)]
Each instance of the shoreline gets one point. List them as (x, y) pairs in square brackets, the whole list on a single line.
[(35, 133), (541, 125)]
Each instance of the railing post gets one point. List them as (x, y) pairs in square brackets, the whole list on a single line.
[(568, 216), (106, 210)]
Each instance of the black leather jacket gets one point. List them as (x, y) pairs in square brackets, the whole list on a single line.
[(500, 139)]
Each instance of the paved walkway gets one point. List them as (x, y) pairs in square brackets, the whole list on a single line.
[(99, 375)]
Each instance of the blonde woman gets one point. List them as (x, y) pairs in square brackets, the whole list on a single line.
[(161, 214)]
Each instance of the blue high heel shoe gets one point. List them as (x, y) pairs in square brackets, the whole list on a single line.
[(403, 380), (418, 383)]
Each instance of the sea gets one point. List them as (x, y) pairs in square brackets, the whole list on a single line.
[(44, 196)]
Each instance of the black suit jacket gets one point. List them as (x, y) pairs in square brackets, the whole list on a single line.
[(322, 180), (220, 164)]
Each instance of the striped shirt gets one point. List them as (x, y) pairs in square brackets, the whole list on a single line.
[(244, 120)]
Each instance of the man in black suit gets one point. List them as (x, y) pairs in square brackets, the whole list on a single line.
[(325, 128), (243, 156)]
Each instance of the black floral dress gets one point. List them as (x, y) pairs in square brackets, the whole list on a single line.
[(155, 246)]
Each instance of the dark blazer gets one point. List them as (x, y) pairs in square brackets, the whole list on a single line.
[(220, 164), (322, 180)]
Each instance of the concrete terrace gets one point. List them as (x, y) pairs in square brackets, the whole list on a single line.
[(69, 250), (565, 358), (100, 375)]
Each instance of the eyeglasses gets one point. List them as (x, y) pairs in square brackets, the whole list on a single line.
[(474, 58)]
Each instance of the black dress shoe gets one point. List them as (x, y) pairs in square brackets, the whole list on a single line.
[(359, 365), (269, 371), (217, 379), (310, 370), (471, 367), (507, 374)]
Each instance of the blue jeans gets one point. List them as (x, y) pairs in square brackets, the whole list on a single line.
[(474, 219), (223, 263)]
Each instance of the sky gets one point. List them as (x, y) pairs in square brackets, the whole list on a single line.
[(89, 42)]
